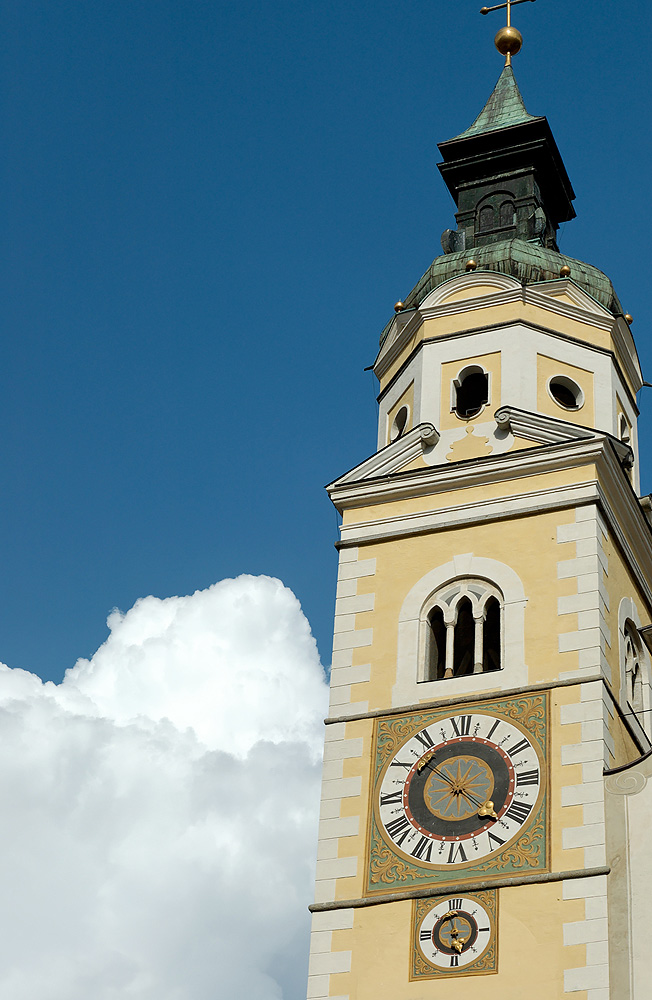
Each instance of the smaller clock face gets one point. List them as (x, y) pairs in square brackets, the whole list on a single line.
[(455, 933), (459, 789)]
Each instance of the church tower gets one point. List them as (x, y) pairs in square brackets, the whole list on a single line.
[(484, 806)]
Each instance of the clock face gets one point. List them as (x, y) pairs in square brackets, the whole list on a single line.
[(459, 789), (455, 933)]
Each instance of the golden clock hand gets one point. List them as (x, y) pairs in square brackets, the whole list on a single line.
[(487, 810), (457, 943), (427, 757)]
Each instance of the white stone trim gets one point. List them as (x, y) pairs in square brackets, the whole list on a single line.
[(333, 861), (593, 752), (590, 604), (408, 690), (323, 960), (539, 427), (354, 603), (593, 932), (346, 637), (350, 674), (353, 571), (491, 279), (458, 515)]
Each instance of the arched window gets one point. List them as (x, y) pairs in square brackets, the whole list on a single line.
[(491, 636), (470, 391), (463, 630), (436, 652), (507, 214), (633, 667), (486, 218)]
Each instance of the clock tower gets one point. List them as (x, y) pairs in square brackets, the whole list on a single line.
[(484, 806)]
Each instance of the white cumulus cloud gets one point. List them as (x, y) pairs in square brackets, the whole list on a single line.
[(158, 807)]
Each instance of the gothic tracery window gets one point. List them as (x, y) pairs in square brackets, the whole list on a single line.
[(463, 630)]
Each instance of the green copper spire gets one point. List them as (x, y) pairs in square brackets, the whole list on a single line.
[(504, 108), (506, 175)]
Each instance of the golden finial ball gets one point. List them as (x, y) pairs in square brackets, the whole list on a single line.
[(629, 319), (508, 41), (565, 271), (471, 265), (399, 307)]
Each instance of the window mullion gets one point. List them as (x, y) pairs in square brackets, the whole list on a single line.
[(450, 650), (478, 659)]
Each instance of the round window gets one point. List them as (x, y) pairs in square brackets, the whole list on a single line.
[(398, 423), (565, 392)]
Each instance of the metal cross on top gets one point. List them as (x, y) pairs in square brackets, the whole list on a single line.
[(508, 40)]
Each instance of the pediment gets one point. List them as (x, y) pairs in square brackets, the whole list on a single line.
[(540, 429), (394, 457), (527, 429), (472, 285), (567, 291)]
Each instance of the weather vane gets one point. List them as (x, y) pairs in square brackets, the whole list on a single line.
[(508, 40)]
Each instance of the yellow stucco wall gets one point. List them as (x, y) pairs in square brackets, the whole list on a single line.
[(468, 293), (531, 960), (400, 563)]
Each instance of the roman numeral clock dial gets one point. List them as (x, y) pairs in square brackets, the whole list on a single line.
[(459, 790), (455, 935)]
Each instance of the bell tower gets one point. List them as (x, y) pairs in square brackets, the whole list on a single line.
[(484, 811)]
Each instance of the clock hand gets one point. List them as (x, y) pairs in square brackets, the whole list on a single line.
[(426, 761), (485, 809), (457, 943)]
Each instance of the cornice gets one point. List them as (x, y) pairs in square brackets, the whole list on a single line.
[(551, 430), (539, 428), (525, 294), (347, 492), (471, 885), (391, 460), (477, 511)]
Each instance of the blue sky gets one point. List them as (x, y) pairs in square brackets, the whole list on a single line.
[(208, 212)]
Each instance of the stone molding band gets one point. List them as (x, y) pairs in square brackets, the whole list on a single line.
[(443, 702), (473, 885)]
